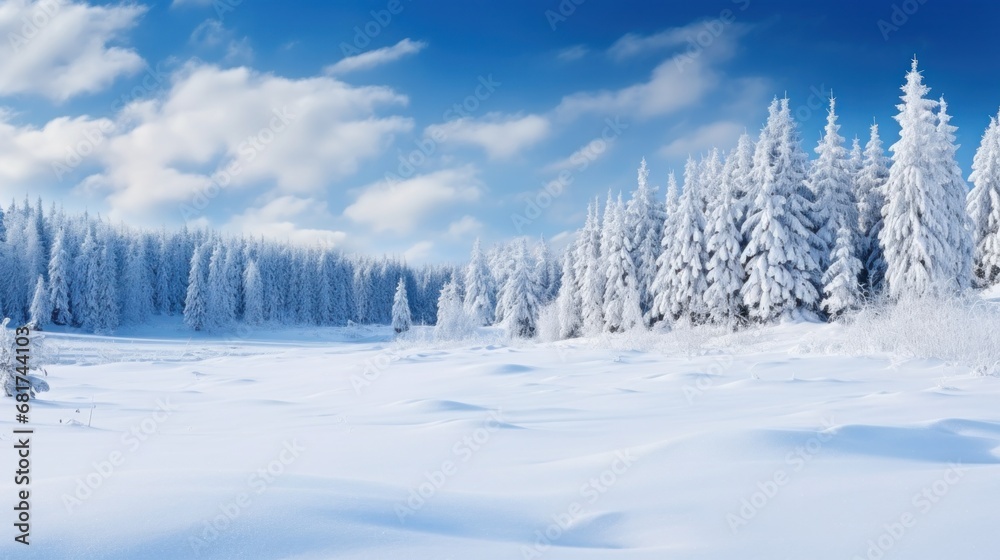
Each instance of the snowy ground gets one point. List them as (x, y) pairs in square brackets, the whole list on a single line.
[(326, 444)]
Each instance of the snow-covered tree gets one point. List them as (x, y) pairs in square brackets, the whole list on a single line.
[(724, 271), (401, 319), (956, 190), (780, 254), (453, 322), (59, 278), (590, 273), (832, 183), (196, 302), (137, 296), (688, 254), (568, 304), (479, 298), (622, 311), (738, 171), (253, 290), (661, 289), (40, 311), (644, 223), (918, 218), (984, 207), (841, 290), (871, 199), (518, 299)]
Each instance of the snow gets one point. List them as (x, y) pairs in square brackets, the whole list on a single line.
[(655, 445)]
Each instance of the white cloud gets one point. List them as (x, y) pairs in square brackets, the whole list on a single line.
[(463, 227), (584, 156), (722, 134), (294, 135), (501, 136), (673, 86), (375, 58), (33, 156), (700, 36), (211, 34), (569, 54), (278, 220), (61, 49), (418, 252), (402, 206)]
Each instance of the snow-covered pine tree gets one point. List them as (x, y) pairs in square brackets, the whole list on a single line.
[(660, 290), (984, 207), (644, 223), (547, 272), (59, 279), (590, 273), (917, 217), (956, 190), (780, 254), (841, 290), (479, 293), (622, 311), (137, 297), (737, 170), (871, 199), (518, 296), (253, 308), (196, 303), (832, 183), (688, 252), (724, 271), (401, 319), (40, 311), (569, 307), (452, 320), (105, 314)]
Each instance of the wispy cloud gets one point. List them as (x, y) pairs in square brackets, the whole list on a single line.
[(374, 58), (502, 136), (569, 54)]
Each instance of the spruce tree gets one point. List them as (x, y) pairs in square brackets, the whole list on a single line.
[(871, 199), (518, 297), (984, 207), (401, 319), (479, 298)]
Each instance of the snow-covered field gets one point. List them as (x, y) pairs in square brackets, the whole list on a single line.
[(328, 443)]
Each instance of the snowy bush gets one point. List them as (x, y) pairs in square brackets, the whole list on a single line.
[(957, 330), (454, 321), (549, 328), (9, 363)]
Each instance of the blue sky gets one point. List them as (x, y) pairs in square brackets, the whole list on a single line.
[(294, 120)]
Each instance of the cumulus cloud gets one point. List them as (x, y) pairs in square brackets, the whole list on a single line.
[(501, 136), (33, 155), (375, 58), (60, 49), (280, 218), (236, 127), (401, 206)]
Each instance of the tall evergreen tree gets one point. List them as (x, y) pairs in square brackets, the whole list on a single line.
[(984, 207), (479, 298), (724, 271), (644, 223), (519, 295), (780, 254), (253, 310), (569, 306), (917, 217), (832, 183), (622, 311), (196, 303), (401, 319), (871, 199), (59, 275), (40, 309)]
